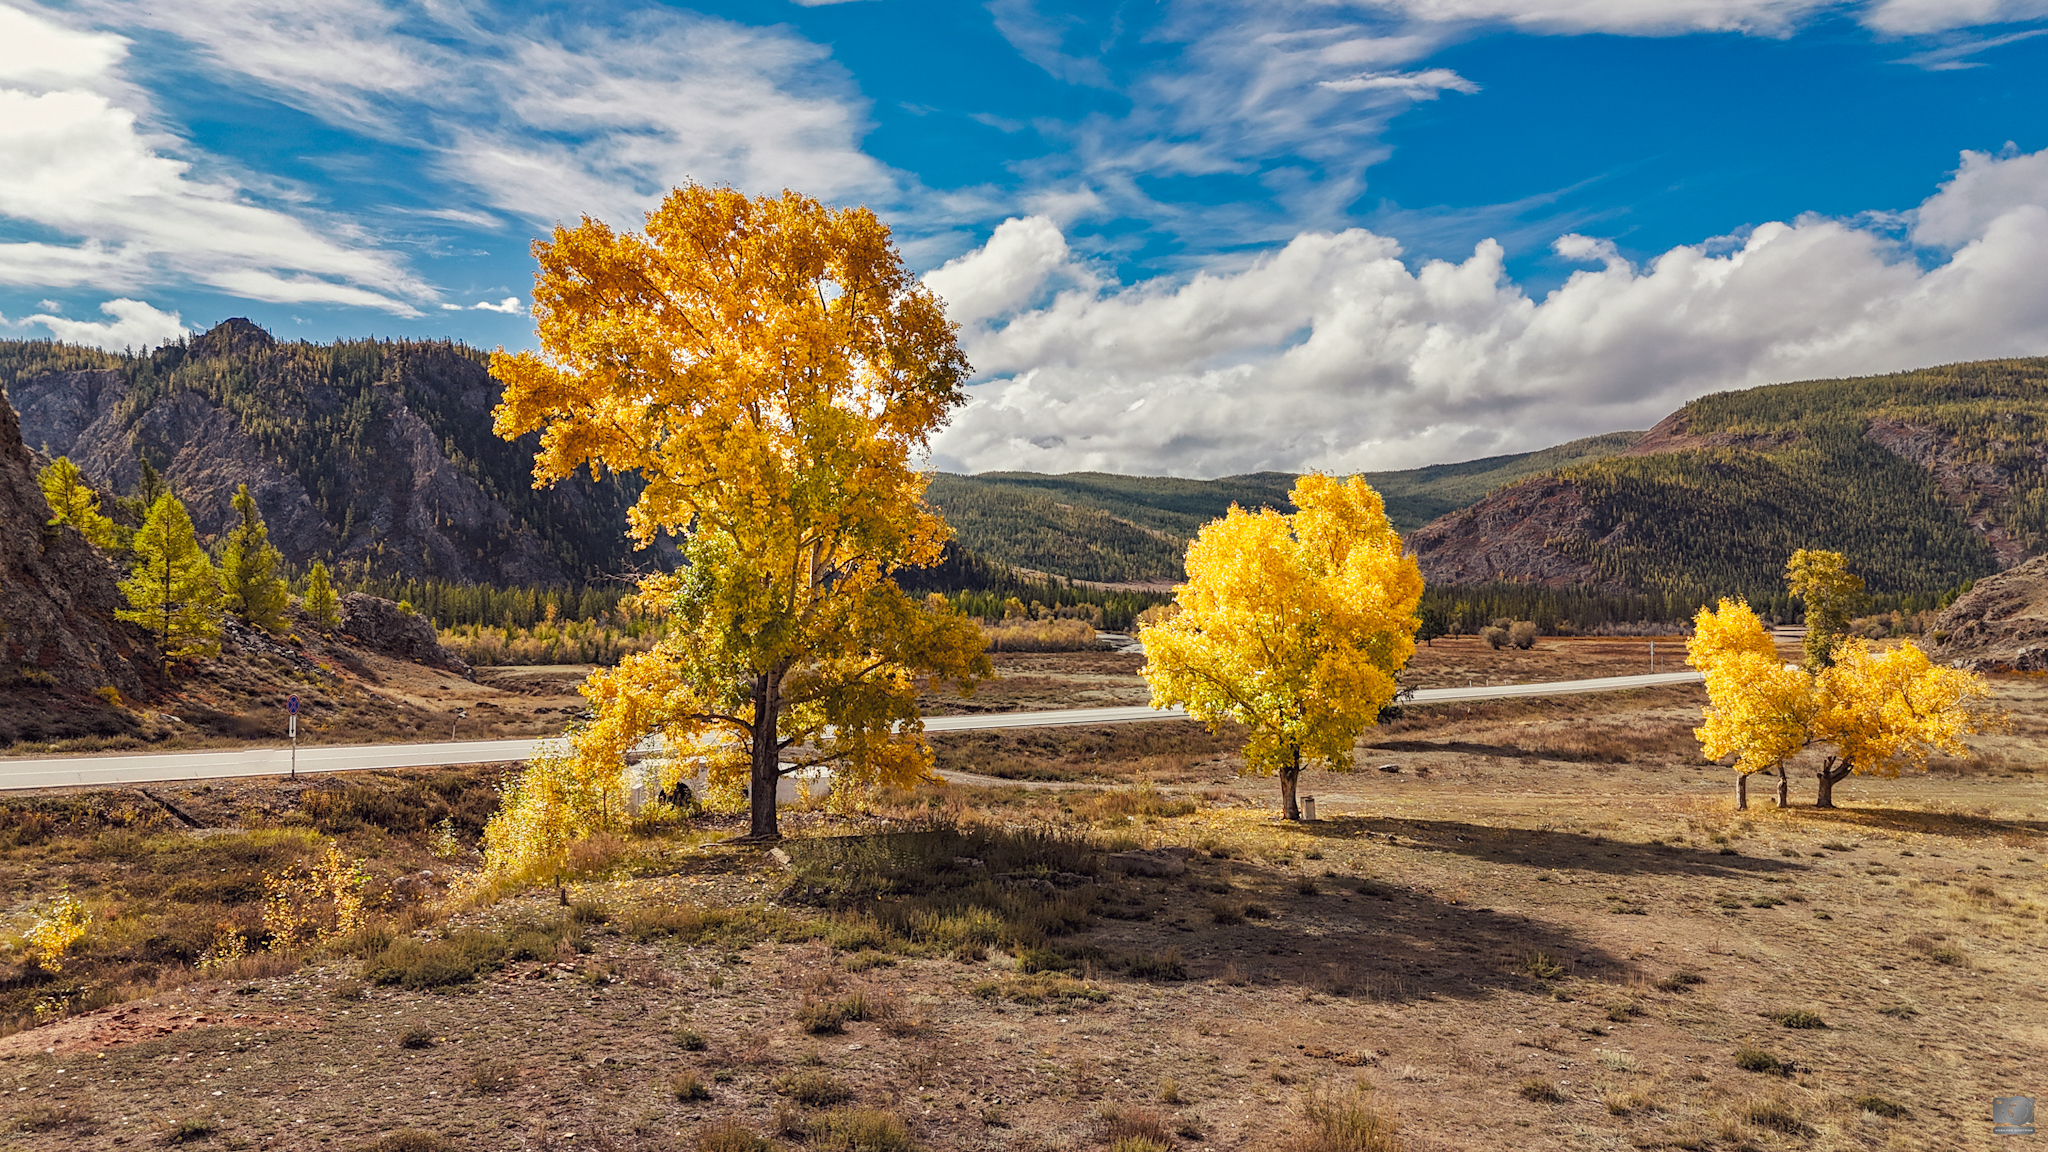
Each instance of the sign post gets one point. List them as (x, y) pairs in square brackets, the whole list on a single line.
[(291, 708)]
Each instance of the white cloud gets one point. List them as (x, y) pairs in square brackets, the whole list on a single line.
[(135, 324), (1004, 274), (1623, 16), (122, 211), (1423, 85), (552, 116), (1331, 352), (510, 306), (1918, 17)]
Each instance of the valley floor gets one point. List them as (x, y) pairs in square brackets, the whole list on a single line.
[(1546, 930)]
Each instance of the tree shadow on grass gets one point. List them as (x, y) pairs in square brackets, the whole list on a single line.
[(1879, 819), (1368, 940), (1540, 848)]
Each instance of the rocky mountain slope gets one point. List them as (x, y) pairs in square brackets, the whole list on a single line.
[(375, 454), (1924, 479), (2000, 624)]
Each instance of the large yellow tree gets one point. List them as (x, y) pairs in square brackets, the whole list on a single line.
[(1876, 711), (1292, 625), (771, 372)]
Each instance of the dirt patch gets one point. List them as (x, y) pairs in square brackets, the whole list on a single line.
[(129, 1024)]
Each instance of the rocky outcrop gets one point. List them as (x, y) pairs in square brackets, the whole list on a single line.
[(382, 626), (1674, 434), (2000, 624), (1514, 534), (57, 593)]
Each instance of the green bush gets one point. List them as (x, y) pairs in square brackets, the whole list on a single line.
[(457, 958)]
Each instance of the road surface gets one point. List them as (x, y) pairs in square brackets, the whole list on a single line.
[(158, 767)]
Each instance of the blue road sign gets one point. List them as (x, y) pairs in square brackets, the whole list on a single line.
[(292, 705)]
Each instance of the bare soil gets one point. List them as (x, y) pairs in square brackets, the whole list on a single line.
[(1546, 930)]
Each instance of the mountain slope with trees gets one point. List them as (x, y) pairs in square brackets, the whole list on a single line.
[(376, 456), (1924, 479)]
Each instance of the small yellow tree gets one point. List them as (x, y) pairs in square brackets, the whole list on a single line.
[(321, 603), (53, 935), (1832, 594), (1882, 711), (173, 590), (72, 501), (1292, 626), (1759, 709)]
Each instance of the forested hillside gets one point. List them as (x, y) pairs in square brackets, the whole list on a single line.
[(376, 455), (1923, 479), (1101, 526)]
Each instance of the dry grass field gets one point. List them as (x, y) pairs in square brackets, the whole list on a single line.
[(1547, 929)]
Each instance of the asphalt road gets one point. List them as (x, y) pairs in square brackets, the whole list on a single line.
[(158, 767)]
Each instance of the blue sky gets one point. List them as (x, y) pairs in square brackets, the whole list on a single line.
[(1189, 238)]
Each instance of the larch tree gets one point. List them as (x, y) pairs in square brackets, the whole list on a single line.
[(1291, 625), (1832, 594), (250, 585), (173, 590), (1877, 711), (74, 502), (320, 601), (772, 372)]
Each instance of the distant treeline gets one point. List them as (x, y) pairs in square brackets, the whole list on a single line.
[(455, 605), (979, 587), (1555, 611)]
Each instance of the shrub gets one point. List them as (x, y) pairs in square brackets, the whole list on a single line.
[(1889, 1109), (859, 1130), (490, 1077), (53, 935), (1135, 1128), (1347, 1121), (1680, 980), (690, 1040), (190, 1130), (731, 1136), (686, 1086), (1797, 1018), (416, 1037), (820, 1018), (426, 964), (1522, 634), (1750, 1058), (813, 1088), (1496, 638), (1777, 1115), (1541, 1091), (1542, 965), (413, 1140)]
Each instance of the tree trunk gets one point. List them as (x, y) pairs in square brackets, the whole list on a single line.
[(1741, 791), (1784, 788), (1828, 777), (1290, 778), (767, 760)]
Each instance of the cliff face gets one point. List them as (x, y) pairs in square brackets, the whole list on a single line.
[(1514, 534), (57, 594), (369, 453), (2000, 624)]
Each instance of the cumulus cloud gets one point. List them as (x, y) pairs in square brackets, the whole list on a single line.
[(121, 210), (135, 325), (1330, 352), (1005, 273), (550, 116)]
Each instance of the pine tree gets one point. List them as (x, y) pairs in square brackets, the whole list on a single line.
[(320, 602), (251, 586), (173, 590), (73, 502)]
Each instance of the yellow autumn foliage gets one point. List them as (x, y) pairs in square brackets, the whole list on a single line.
[(1882, 711), (53, 935), (1292, 625), (772, 372)]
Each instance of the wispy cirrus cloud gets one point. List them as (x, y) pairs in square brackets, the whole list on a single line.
[(546, 115), (110, 202)]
